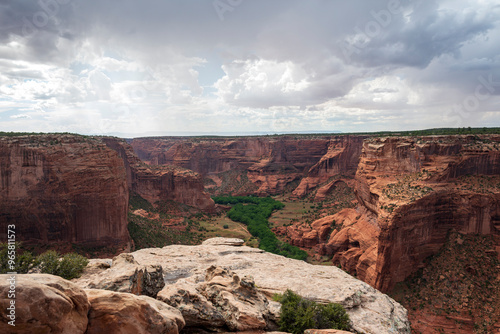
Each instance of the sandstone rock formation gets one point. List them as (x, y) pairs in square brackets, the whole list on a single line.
[(63, 188), (222, 300), (185, 269), (262, 165), (75, 189), (43, 304), (130, 277), (411, 192), (130, 314), (341, 158), (161, 183)]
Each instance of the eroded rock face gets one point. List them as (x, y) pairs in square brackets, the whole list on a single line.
[(341, 157), (223, 300), (44, 304), (162, 183), (411, 192), (185, 273), (63, 188), (130, 314), (129, 276), (267, 164)]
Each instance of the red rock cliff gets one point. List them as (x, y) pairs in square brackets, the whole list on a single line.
[(270, 163), (161, 183), (62, 188), (412, 192)]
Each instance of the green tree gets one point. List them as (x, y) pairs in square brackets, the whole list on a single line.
[(299, 314)]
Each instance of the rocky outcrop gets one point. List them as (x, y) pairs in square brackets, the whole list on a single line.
[(161, 183), (222, 300), (128, 277), (188, 284), (130, 314), (63, 188), (411, 192), (42, 304), (268, 163)]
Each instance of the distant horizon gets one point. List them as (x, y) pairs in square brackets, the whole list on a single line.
[(416, 132)]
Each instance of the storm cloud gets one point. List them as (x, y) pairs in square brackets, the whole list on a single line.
[(217, 66)]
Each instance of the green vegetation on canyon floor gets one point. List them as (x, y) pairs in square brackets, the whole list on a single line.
[(254, 212)]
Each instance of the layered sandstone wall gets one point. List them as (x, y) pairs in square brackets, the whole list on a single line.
[(161, 183), (411, 192), (269, 163), (62, 188), (415, 190), (342, 157)]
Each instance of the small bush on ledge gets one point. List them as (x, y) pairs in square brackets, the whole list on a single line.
[(68, 266), (299, 314)]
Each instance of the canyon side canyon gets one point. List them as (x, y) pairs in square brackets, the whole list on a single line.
[(70, 189)]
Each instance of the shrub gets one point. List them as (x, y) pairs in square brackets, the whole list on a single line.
[(225, 226), (48, 262), (70, 266), (23, 259), (299, 314)]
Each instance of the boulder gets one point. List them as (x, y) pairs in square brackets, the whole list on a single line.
[(222, 300), (128, 276), (125, 313), (43, 304)]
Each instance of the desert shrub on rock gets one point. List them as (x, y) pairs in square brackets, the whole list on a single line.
[(23, 260), (69, 266), (299, 314)]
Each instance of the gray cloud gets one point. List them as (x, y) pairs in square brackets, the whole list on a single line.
[(101, 59)]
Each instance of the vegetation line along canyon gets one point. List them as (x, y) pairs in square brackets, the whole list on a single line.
[(194, 228)]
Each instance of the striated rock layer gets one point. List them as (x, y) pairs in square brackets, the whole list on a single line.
[(75, 189), (268, 163), (63, 188), (161, 183), (411, 193)]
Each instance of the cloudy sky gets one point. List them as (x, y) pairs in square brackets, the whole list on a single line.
[(133, 67)]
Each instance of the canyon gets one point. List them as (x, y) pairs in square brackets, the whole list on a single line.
[(383, 206), (410, 193), (60, 189)]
